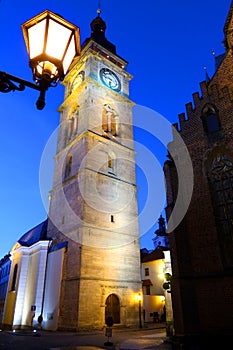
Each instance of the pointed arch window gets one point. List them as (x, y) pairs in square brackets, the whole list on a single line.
[(14, 278), (210, 119), (72, 122), (115, 125), (220, 175), (68, 165), (110, 121)]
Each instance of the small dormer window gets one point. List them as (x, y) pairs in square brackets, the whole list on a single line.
[(210, 119)]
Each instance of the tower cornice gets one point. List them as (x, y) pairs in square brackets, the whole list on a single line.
[(115, 179), (93, 48), (100, 138), (91, 80)]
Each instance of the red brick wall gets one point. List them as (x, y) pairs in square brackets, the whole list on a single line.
[(201, 286)]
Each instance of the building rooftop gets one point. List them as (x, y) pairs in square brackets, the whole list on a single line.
[(36, 234), (154, 255)]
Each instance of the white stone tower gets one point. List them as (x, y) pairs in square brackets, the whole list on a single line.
[(94, 197)]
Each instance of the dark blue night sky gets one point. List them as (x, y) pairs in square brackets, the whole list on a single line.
[(167, 45)]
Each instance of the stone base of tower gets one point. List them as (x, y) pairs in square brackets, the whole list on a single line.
[(108, 299), (97, 284), (99, 300)]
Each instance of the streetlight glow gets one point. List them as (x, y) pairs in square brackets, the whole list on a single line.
[(138, 297)]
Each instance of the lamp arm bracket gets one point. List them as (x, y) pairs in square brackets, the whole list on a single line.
[(7, 83)]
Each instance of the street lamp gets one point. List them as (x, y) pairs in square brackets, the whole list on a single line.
[(52, 43), (139, 298), (167, 282)]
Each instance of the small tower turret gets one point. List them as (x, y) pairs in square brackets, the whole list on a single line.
[(161, 237), (98, 28)]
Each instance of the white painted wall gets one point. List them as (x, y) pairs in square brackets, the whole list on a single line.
[(52, 289)]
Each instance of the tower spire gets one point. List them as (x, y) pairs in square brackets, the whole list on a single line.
[(99, 8), (98, 27)]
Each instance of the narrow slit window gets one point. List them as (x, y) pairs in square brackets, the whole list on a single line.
[(111, 163), (14, 278), (68, 166)]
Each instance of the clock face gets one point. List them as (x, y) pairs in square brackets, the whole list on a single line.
[(110, 79)]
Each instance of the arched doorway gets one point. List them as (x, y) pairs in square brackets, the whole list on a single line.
[(112, 308)]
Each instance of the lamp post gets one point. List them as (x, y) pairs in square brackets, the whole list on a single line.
[(139, 298), (52, 43), (167, 282)]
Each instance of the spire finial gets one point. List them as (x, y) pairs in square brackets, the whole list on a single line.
[(207, 78), (99, 8)]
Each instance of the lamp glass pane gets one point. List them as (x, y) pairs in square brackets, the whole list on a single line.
[(69, 55), (36, 35), (58, 37)]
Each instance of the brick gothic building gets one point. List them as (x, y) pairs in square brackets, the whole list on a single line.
[(202, 244)]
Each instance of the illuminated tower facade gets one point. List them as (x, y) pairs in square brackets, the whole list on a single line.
[(93, 208)]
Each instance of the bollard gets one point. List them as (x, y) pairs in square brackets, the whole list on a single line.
[(108, 331)]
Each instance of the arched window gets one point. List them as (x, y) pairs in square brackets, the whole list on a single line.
[(115, 125), (14, 278), (220, 175), (68, 165), (210, 119), (105, 120), (72, 122), (110, 121)]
